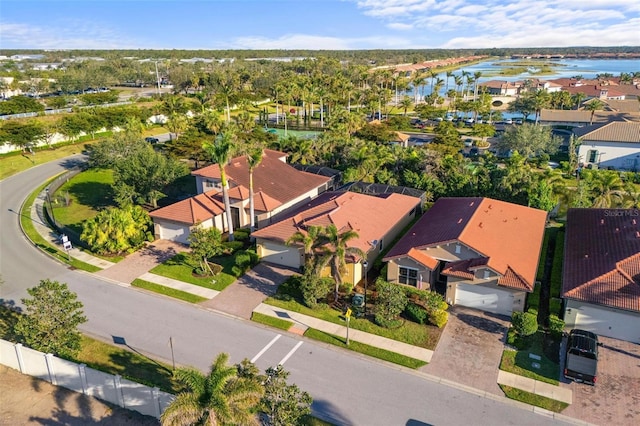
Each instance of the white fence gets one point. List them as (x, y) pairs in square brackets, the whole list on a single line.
[(82, 379)]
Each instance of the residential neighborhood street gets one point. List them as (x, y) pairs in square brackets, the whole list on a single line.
[(347, 388)]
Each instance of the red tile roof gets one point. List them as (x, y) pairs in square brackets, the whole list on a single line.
[(275, 178), (602, 257), (370, 216), (192, 210), (423, 258), (508, 235)]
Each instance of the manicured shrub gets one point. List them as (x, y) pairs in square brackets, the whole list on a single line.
[(416, 313), (556, 325), (525, 323), (439, 318), (390, 303), (233, 246), (241, 234)]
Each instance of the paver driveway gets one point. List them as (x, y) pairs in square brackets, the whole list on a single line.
[(615, 399), (142, 261), (470, 349)]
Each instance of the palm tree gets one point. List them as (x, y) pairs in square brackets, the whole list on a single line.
[(311, 240), (416, 81), (577, 99), (220, 153), (218, 398), (608, 189), (405, 103), (593, 105), (336, 251), (476, 78), (254, 157)]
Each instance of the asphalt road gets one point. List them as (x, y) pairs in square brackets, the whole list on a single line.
[(347, 389)]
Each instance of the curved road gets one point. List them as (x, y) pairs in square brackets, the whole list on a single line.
[(347, 389)]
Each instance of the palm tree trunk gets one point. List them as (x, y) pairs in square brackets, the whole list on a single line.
[(251, 202), (227, 205)]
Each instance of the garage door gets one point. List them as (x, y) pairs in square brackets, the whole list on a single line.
[(280, 254), (605, 322), (174, 232), (484, 298)]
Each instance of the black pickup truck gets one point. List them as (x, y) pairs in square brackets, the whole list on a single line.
[(581, 364)]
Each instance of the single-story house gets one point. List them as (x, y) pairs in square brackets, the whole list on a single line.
[(601, 274), (614, 145), (476, 252), (582, 117), (501, 87), (277, 188), (377, 219)]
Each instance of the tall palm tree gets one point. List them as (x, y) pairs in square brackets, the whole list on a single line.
[(218, 398), (594, 105), (336, 251), (476, 80), (416, 81), (254, 157), (405, 103), (220, 153)]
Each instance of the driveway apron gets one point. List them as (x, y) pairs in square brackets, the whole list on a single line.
[(142, 261), (470, 349), (247, 292)]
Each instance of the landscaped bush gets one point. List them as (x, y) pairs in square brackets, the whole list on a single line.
[(439, 318), (416, 313), (314, 289), (525, 323), (390, 303), (556, 325), (241, 234), (233, 246), (244, 261)]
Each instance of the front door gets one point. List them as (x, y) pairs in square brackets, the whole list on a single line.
[(235, 217)]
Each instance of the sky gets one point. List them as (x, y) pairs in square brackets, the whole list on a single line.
[(317, 24)]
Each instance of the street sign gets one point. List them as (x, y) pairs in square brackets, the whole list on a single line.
[(348, 313)]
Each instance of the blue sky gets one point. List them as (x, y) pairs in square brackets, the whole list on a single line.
[(317, 24)]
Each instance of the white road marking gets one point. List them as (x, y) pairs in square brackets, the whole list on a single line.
[(291, 352), (266, 348)]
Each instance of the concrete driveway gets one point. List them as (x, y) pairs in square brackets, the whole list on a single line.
[(615, 399), (470, 349), (248, 291)]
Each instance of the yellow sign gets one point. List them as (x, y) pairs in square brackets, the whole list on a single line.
[(348, 313)]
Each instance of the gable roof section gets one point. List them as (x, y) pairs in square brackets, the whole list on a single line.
[(370, 216), (616, 131), (275, 178), (423, 258), (508, 235), (602, 257), (192, 210)]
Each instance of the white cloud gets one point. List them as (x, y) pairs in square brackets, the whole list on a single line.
[(314, 42), (71, 35), (400, 26)]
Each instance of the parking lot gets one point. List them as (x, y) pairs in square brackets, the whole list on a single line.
[(615, 399)]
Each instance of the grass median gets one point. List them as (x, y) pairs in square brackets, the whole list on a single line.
[(168, 291), (271, 321), (533, 399)]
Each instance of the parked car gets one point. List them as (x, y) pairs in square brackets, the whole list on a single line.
[(581, 363), (468, 142), (152, 140)]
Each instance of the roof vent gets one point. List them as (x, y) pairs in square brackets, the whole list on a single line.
[(586, 256), (601, 221), (460, 220), (634, 221), (471, 204), (490, 206), (637, 234), (480, 225)]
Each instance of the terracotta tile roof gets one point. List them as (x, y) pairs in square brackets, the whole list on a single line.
[(508, 235), (272, 176), (423, 258), (459, 269), (595, 91), (602, 257), (370, 216), (192, 210), (513, 280), (584, 116), (616, 131)]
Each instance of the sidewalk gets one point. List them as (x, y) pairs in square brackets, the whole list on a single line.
[(301, 322)]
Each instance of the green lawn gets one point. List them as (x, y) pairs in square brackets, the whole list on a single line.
[(424, 336), (519, 362), (88, 193), (271, 321), (365, 349), (533, 399), (167, 291), (180, 268), (35, 237)]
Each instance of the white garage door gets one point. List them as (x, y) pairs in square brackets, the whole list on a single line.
[(484, 298), (280, 254), (174, 232), (605, 322)]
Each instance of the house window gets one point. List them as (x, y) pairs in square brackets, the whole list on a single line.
[(487, 274), (592, 156), (458, 248), (408, 276), (380, 245)]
